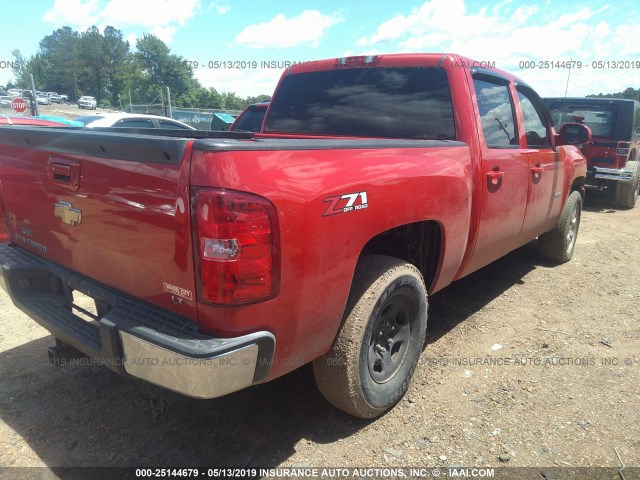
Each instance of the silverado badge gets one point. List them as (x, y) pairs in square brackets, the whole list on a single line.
[(68, 214)]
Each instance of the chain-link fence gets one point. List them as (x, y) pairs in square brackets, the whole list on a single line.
[(205, 118), (150, 109)]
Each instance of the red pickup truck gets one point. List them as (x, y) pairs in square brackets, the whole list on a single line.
[(221, 260)]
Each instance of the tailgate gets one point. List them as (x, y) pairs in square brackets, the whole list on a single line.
[(111, 206)]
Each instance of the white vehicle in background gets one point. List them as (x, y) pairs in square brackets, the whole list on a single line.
[(43, 98), (87, 102), (5, 99), (131, 120), (14, 92), (64, 98)]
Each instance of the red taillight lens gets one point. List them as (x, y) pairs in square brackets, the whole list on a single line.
[(623, 148), (237, 235)]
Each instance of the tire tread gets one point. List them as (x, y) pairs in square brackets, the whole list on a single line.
[(626, 194), (551, 245), (335, 372)]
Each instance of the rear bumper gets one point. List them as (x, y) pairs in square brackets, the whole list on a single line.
[(133, 337), (613, 174)]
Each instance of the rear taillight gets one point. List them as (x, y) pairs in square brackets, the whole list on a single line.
[(238, 246), (623, 148)]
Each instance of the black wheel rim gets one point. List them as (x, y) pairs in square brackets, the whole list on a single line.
[(391, 335)]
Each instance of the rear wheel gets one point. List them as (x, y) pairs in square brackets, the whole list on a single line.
[(627, 192), (558, 244), (370, 365)]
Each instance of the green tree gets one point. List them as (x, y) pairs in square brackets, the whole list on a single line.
[(117, 57), (20, 69), (161, 67), (230, 101), (630, 93), (258, 99), (58, 69), (102, 65), (92, 64)]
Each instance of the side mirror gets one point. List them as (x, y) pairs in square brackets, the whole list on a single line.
[(574, 134)]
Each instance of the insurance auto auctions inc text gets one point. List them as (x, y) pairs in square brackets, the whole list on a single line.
[(377, 472)]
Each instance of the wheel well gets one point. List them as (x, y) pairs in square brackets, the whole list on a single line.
[(416, 243), (578, 186)]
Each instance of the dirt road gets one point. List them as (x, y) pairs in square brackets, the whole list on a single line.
[(527, 364)]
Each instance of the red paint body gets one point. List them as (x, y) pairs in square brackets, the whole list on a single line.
[(136, 230), (21, 120)]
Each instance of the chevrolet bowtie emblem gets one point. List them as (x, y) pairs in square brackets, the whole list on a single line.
[(68, 214)]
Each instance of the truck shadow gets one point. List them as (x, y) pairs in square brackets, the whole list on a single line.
[(458, 301), (601, 202), (80, 415)]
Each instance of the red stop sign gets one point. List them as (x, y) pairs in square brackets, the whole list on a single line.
[(19, 105)]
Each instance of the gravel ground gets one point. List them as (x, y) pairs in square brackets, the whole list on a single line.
[(526, 364)]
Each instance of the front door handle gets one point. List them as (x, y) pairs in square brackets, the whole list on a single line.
[(537, 171)]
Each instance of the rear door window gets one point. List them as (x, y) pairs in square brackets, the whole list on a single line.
[(496, 113)]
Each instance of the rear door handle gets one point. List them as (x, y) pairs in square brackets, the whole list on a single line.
[(537, 170), (495, 176)]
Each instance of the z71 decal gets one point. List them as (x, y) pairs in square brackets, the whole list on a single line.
[(345, 203)]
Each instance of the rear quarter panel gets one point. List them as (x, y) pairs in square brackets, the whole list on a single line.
[(319, 251)]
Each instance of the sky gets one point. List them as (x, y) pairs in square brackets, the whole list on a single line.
[(242, 47)]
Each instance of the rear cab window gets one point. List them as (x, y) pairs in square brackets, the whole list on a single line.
[(389, 102)]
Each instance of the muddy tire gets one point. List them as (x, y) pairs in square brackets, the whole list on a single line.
[(370, 365), (558, 244), (627, 192)]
